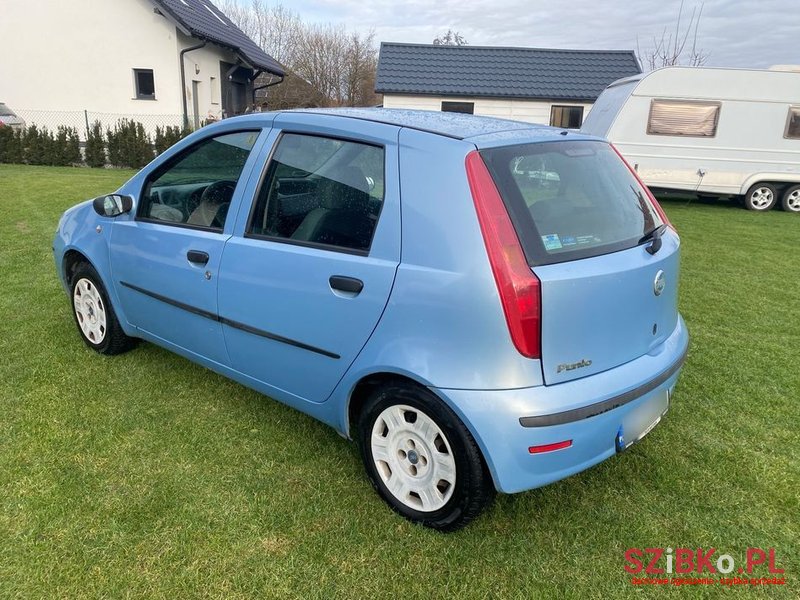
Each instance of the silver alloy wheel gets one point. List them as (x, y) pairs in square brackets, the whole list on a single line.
[(90, 310), (413, 458), (762, 198), (792, 201)]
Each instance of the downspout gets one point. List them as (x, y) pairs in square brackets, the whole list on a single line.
[(183, 83)]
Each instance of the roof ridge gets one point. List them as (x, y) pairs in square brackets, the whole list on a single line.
[(523, 48)]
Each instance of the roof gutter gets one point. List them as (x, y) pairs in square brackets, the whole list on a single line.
[(270, 83), (183, 82)]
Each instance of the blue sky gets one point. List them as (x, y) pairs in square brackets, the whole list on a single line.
[(735, 33)]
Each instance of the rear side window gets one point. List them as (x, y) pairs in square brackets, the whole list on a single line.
[(676, 117), (321, 191), (571, 200), (793, 123)]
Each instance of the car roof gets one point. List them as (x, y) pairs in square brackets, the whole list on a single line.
[(482, 131), (448, 124)]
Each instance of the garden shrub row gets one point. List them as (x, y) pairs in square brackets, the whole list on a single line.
[(126, 145)]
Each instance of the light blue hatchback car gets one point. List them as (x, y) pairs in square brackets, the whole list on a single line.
[(481, 304)]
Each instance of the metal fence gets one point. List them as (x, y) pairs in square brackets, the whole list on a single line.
[(82, 120)]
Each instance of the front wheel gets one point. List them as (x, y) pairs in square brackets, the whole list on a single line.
[(791, 199), (421, 459), (95, 317), (760, 197)]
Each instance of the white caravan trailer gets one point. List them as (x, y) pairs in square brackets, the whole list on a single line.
[(716, 132)]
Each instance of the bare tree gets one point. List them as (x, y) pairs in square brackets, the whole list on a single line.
[(671, 48), (451, 38), (326, 64), (276, 29)]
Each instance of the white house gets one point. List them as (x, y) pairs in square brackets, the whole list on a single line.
[(158, 61), (555, 87)]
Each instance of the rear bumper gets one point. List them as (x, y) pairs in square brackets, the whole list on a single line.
[(591, 412)]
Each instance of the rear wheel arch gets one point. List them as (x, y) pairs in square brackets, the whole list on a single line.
[(367, 385)]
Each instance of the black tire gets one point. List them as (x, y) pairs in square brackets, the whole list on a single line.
[(107, 338), (472, 490), (791, 199), (761, 197)]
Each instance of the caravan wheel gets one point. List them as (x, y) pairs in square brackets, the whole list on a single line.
[(791, 199), (761, 196)]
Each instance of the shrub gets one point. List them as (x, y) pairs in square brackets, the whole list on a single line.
[(129, 145), (95, 151), (7, 140), (66, 150), (168, 136)]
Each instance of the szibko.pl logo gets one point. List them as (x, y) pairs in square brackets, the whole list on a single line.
[(657, 566)]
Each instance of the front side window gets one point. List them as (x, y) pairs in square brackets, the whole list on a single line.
[(196, 187), (145, 84), (568, 117), (571, 200), (676, 117), (321, 191), (467, 108), (793, 123)]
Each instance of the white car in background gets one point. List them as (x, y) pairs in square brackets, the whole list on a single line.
[(9, 118)]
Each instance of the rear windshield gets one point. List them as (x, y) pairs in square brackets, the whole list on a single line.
[(570, 200)]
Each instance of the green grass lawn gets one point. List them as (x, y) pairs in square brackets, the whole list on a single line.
[(145, 475)]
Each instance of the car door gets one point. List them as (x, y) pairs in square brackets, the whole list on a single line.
[(308, 273), (165, 262)]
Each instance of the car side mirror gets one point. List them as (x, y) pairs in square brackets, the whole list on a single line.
[(112, 205)]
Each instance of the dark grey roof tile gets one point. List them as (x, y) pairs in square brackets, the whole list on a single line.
[(500, 72), (205, 21)]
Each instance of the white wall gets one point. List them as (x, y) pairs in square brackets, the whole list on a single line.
[(202, 65), (531, 111), (73, 55)]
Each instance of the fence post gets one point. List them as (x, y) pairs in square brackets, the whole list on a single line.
[(86, 116)]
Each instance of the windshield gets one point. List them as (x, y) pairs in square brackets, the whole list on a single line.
[(5, 111), (571, 200)]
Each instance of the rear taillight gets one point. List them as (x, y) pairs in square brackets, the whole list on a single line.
[(518, 286), (652, 198)]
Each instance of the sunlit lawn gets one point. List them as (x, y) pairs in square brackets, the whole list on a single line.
[(145, 475)]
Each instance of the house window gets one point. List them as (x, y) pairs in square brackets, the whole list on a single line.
[(145, 84), (568, 117), (793, 123), (676, 117), (468, 108)]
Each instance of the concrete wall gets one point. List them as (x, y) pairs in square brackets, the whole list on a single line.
[(531, 111)]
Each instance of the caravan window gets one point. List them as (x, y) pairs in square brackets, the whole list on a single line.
[(676, 117), (793, 123)]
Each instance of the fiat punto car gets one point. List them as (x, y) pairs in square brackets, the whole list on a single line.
[(483, 305)]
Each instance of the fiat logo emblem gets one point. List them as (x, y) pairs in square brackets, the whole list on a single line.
[(659, 283)]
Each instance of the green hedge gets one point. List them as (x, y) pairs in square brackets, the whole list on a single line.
[(35, 146), (126, 145)]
